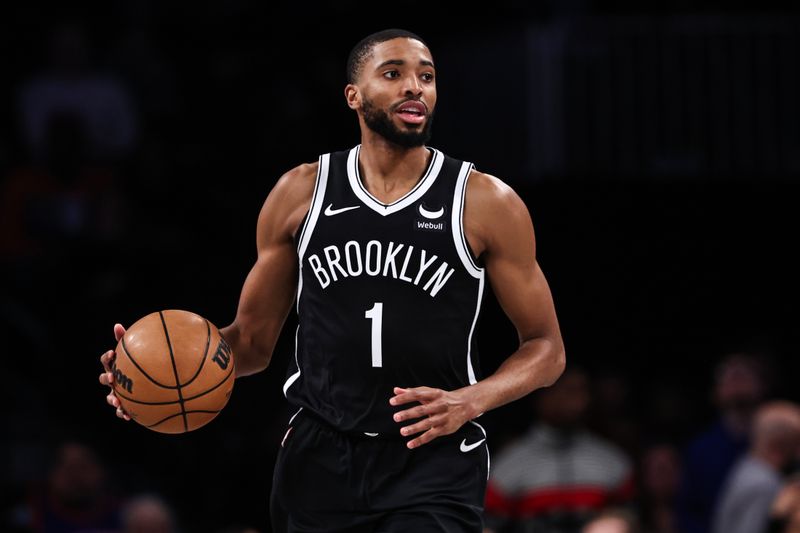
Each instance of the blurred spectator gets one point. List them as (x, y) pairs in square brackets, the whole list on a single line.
[(666, 411), (76, 123), (71, 85), (660, 481), (793, 525), (559, 475), (59, 202), (77, 497), (148, 513), (613, 521), (785, 509), (740, 385), (610, 414), (756, 479)]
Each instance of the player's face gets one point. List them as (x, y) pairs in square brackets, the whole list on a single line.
[(398, 92)]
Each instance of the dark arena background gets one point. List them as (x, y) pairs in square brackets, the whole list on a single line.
[(657, 148)]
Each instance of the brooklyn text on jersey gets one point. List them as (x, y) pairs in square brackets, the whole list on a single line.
[(396, 260)]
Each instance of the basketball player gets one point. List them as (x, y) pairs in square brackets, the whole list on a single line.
[(386, 249)]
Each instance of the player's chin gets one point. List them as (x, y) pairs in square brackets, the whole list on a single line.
[(414, 129)]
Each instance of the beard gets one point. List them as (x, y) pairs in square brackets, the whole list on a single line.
[(378, 121)]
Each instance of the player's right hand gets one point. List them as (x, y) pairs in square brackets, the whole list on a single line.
[(107, 377)]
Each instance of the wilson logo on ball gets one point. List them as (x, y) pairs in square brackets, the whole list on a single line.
[(223, 354), (122, 380)]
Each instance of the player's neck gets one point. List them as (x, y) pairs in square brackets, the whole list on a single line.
[(389, 171)]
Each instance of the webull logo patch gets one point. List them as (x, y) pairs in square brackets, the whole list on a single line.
[(427, 225)]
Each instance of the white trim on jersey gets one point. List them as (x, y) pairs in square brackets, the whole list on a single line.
[(422, 186), (457, 222), (470, 370), (291, 379), (488, 459), (316, 205), (305, 237), (460, 241), (298, 412)]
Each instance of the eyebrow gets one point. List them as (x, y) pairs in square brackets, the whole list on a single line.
[(423, 62)]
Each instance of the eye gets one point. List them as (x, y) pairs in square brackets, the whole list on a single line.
[(428, 76), (391, 74)]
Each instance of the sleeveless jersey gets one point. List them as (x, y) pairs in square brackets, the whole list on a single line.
[(388, 295)]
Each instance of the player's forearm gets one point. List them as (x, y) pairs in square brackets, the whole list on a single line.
[(537, 363), (250, 356)]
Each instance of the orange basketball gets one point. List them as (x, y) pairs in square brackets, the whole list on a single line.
[(173, 371)]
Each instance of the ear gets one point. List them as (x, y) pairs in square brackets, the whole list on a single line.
[(353, 96)]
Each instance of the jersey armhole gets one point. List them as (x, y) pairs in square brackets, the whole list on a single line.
[(465, 253), (299, 230), (302, 236), (477, 261)]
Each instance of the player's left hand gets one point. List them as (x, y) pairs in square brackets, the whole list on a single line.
[(442, 412)]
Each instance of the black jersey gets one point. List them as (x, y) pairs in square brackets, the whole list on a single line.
[(388, 296)]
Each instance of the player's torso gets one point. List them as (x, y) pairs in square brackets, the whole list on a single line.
[(388, 294)]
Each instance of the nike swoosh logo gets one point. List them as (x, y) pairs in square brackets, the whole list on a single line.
[(469, 447), (330, 211), (371, 434), (430, 214)]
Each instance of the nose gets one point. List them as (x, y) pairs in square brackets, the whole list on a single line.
[(412, 86)]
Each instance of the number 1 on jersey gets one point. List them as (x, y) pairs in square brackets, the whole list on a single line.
[(376, 314)]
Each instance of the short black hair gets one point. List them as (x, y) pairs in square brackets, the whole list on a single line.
[(362, 50)]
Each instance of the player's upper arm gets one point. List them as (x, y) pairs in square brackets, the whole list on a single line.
[(285, 206), (501, 232), (269, 290)]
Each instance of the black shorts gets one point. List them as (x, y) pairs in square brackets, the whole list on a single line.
[(328, 481)]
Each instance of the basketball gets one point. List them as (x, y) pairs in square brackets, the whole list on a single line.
[(173, 371)]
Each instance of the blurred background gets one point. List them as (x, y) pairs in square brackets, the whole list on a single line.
[(657, 148)]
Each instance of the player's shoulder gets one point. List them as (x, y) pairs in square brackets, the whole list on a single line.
[(493, 212), (295, 187), (289, 199), (298, 180), (487, 193)]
